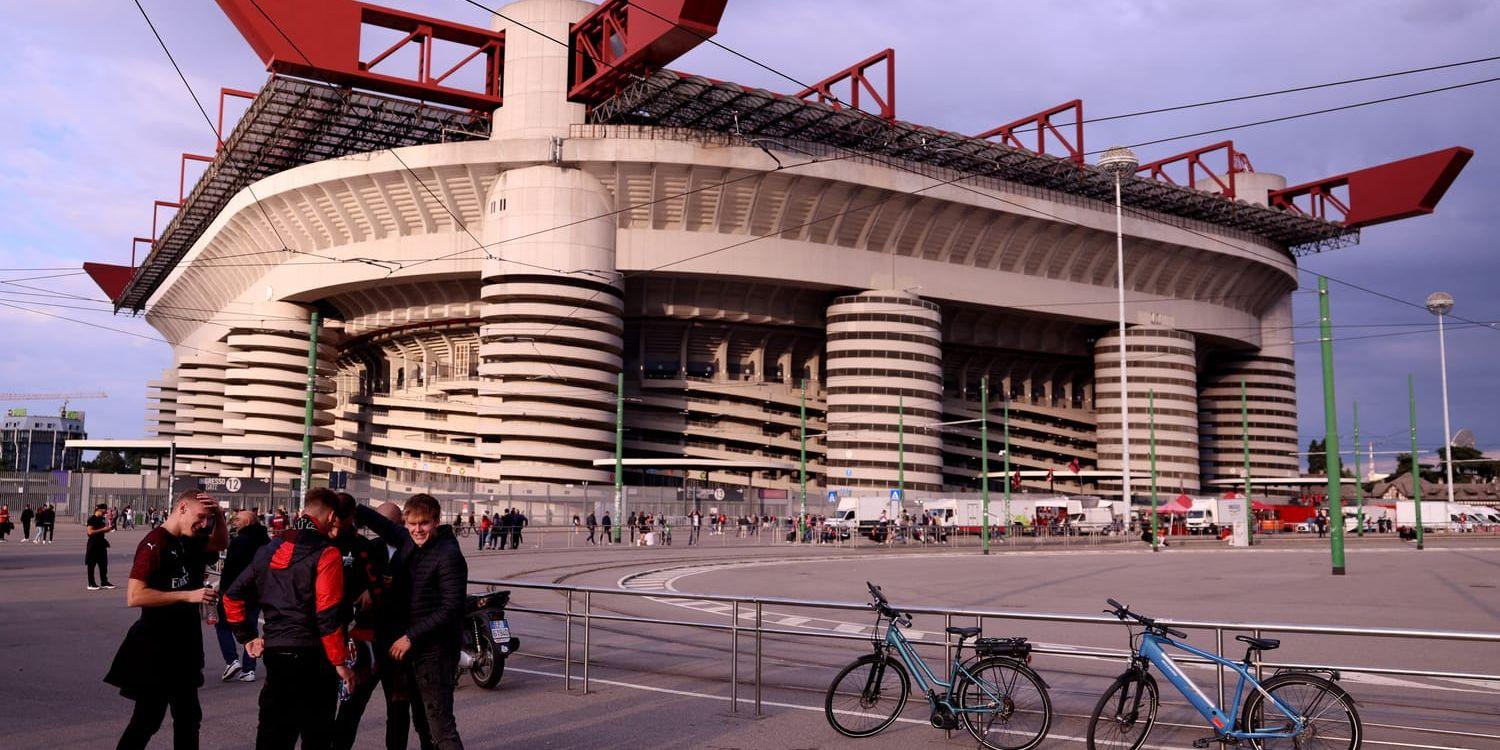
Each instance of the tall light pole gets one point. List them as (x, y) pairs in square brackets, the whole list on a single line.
[(1120, 161), (1440, 304)]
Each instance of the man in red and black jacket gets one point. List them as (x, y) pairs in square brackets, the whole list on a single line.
[(298, 581)]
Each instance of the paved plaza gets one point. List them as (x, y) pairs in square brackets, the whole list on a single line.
[(656, 685)]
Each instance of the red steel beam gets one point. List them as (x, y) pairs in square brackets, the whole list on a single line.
[(223, 94), (134, 242), (858, 78), (1375, 195), (182, 173), (624, 39), (156, 207), (320, 39), (1042, 124), (1235, 162), (111, 279)]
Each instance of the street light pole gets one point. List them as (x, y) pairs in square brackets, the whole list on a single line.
[(802, 517), (1121, 161), (620, 456), (1359, 487), (1155, 532), (1416, 469), (984, 459), (1331, 434), (1440, 304)]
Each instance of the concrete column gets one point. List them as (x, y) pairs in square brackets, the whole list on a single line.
[(551, 343), (1271, 397), (1163, 360), (200, 385), (884, 349), (266, 383), (536, 69)]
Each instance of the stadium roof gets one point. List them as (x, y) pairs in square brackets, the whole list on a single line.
[(289, 123), (672, 99)]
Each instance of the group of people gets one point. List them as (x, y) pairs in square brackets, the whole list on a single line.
[(326, 613), (500, 528), (44, 518)]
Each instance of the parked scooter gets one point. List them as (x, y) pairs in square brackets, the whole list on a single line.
[(487, 638)]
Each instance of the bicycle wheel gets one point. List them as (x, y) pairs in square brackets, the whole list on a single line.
[(1125, 713), (1327, 712), (1004, 704), (867, 696)]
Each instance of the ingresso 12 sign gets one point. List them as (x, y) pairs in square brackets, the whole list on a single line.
[(222, 485)]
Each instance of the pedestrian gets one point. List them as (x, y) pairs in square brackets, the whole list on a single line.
[(110, 515), (249, 536), (695, 525), (634, 524), (379, 623), (298, 582), (364, 562), (127, 518), (577, 524), (5, 523), (27, 514), (517, 521), (160, 662), (434, 578), (96, 548), (605, 522), (46, 522), (593, 525), (484, 529)]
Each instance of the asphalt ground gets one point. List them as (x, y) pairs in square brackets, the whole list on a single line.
[(658, 685)]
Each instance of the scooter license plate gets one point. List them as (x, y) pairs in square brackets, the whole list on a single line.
[(500, 631)]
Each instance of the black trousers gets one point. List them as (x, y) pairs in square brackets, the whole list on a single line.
[(398, 707), (433, 674), (299, 700), (187, 717), (25, 529), (100, 562)]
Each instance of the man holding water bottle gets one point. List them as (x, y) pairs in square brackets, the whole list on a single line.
[(160, 663), (298, 582)]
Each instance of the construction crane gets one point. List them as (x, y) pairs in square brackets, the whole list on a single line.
[(63, 397)]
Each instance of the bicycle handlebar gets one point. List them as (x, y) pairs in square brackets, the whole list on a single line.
[(883, 606), (1121, 611)]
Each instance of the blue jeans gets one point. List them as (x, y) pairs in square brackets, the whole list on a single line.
[(228, 646)]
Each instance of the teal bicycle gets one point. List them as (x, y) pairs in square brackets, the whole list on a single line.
[(994, 694), (1291, 710)]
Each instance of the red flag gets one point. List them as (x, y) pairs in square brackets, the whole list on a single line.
[(1049, 476), (1074, 467)]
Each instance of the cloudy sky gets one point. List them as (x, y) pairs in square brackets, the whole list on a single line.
[(96, 118)]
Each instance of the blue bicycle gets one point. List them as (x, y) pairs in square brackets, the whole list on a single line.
[(1291, 709), (994, 695)]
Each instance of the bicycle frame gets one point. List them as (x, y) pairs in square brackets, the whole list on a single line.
[(896, 641), (1226, 723)]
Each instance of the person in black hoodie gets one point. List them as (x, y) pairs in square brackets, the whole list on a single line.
[(249, 536), (432, 580)]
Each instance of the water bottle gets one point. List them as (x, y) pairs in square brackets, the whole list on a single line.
[(210, 609)]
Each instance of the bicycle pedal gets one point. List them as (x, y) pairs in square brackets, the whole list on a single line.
[(1200, 744)]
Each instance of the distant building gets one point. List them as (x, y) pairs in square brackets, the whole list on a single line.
[(35, 442), (1463, 492)]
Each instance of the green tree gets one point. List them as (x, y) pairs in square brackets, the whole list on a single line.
[(1317, 458), (1403, 468), (1469, 464), (114, 462)]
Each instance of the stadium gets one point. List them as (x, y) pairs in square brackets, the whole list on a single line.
[(488, 263)]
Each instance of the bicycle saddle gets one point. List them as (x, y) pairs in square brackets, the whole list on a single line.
[(963, 632), (1259, 644)]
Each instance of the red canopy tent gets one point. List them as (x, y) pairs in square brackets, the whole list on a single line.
[(1176, 506)]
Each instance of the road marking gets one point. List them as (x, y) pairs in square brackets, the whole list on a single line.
[(901, 719)]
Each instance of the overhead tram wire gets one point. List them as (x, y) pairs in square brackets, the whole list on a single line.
[(218, 136)]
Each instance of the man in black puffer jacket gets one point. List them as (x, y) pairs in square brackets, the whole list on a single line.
[(431, 581)]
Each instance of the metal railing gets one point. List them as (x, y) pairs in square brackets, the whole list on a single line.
[(539, 537), (738, 604)]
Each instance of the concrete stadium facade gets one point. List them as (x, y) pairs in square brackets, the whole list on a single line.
[(482, 297)]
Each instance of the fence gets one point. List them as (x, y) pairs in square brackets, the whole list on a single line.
[(747, 620)]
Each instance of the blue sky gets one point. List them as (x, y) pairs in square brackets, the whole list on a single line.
[(96, 118)]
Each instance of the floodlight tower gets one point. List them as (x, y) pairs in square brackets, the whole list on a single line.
[(1120, 161), (1440, 304)]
